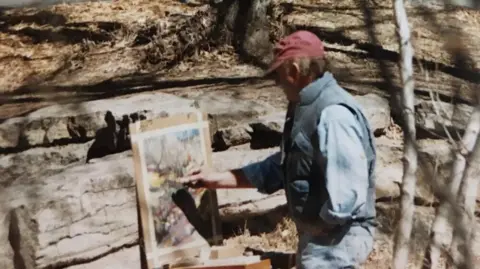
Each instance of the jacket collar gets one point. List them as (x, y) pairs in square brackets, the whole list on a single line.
[(314, 89)]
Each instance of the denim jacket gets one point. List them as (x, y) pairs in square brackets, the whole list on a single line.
[(326, 163)]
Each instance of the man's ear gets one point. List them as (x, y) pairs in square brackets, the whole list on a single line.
[(293, 72)]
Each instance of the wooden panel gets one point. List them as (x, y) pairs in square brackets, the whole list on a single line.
[(223, 252), (234, 263), (168, 236)]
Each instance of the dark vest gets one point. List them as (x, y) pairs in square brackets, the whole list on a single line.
[(302, 162)]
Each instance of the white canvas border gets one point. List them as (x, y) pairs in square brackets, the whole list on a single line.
[(140, 139), (135, 138)]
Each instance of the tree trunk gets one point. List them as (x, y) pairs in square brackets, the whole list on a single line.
[(402, 238), (257, 45), (440, 222), (180, 36), (462, 243), (245, 25)]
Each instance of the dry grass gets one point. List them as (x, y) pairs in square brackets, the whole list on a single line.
[(207, 64), (124, 16), (80, 43), (127, 12), (219, 62), (83, 44), (393, 131), (284, 237)]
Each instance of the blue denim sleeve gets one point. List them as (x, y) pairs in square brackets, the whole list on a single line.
[(266, 175), (346, 167)]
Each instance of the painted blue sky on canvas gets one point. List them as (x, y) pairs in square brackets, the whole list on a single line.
[(187, 134)]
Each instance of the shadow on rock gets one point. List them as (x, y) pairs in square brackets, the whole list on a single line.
[(114, 138)]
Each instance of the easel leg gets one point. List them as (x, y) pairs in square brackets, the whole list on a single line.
[(217, 236)]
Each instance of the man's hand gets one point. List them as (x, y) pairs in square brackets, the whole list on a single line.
[(215, 180), (199, 179)]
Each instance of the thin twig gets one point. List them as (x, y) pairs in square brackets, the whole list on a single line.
[(437, 112)]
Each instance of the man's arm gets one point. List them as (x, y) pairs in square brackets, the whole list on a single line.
[(266, 175), (346, 166)]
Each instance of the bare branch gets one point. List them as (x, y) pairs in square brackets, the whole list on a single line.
[(439, 226), (407, 208), (462, 243)]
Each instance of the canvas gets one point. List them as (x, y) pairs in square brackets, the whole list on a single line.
[(164, 150)]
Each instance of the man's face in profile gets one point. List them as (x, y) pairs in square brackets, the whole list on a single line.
[(287, 77)]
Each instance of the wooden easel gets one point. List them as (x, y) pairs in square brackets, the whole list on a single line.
[(201, 250)]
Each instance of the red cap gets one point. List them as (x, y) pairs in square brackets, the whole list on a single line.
[(299, 44)]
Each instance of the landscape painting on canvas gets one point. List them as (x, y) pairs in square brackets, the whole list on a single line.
[(164, 150)]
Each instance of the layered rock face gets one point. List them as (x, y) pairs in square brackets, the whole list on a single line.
[(63, 206)]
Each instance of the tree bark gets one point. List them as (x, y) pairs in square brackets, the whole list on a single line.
[(440, 222), (257, 45), (245, 25), (402, 237), (180, 36), (462, 243)]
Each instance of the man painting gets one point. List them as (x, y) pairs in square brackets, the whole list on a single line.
[(326, 163)]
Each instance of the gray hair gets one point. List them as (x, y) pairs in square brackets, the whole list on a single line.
[(313, 67)]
